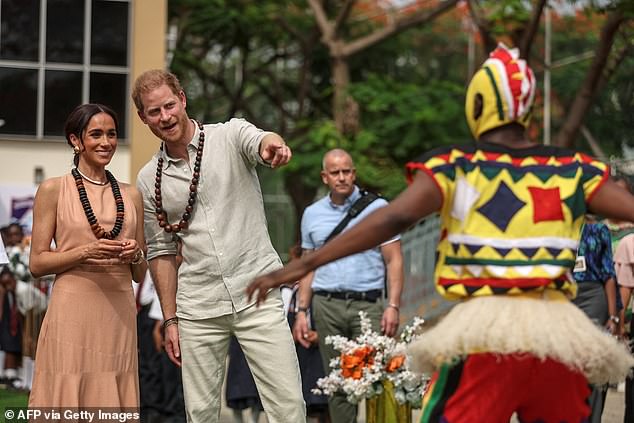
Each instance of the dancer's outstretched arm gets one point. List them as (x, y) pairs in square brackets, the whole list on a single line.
[(613, 201), (422, 198)]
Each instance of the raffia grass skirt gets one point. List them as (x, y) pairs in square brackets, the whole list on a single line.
[(546, 325)]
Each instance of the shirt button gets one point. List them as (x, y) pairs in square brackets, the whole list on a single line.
[(220, 254)]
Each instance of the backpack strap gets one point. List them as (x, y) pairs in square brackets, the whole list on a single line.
[(354, 210)]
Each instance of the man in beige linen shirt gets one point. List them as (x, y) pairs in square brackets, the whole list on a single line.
[(202, 188)]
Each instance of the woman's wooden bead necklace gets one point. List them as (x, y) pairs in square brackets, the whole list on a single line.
[(161, 215), (90, 215)]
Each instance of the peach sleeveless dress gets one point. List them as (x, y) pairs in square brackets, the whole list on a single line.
[(87, 349)]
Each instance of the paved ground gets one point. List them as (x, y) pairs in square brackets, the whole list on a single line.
[(613, 412), (614, 407)]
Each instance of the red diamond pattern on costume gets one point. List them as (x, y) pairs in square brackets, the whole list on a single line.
[(546, 204)]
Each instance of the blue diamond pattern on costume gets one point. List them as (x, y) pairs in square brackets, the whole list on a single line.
[(554, 251), (501, 208)]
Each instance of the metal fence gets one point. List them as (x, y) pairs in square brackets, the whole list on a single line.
[(420, 297)]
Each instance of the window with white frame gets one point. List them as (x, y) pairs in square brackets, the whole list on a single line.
[(57, 54)]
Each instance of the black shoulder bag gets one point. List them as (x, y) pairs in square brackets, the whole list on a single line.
[(356, 208)]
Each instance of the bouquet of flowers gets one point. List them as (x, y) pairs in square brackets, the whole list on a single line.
[(370, 360)]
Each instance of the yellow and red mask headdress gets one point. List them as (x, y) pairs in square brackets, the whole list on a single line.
[(507, 87)]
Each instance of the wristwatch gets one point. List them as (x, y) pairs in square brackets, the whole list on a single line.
[(614, 318), (302, 309)]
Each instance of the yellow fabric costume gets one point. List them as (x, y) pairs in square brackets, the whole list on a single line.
[(511, 218)]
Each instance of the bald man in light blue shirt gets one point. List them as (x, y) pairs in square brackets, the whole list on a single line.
[(339, 290)]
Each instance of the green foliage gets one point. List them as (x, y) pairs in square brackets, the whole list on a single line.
[(400, 121), (611, 116), (506, 16), (309, 150), (9, 398)]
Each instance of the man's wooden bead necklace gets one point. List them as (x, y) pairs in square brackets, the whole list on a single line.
[(161, 215), (90, 215)]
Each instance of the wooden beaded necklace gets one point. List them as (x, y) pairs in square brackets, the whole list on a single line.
[(90, 215), (161, 215)]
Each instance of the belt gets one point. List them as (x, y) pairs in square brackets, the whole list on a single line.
[(370, 296)]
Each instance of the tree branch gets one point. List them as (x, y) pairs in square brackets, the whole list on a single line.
[(595, 146), (399, 25), (483, 26), (327, 34), (581, 103), (531, 29), (343, 16), (291, 30)]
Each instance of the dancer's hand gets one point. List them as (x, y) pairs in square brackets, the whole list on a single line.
[(172, 345), (261, 285)]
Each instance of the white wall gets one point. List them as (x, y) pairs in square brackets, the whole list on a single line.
[(18, 160)]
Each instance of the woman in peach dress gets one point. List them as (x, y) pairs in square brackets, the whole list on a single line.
[(87, 350)]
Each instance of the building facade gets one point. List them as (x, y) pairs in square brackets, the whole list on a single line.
[(56, 54)]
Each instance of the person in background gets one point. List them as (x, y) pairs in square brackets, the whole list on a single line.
[(14, 234), (160, 385), (4, 259), (11, 326), (340, 290), (623, 252), (310, 364), (150, 400), (511, 215), (623, 249), (87, 349), (168, 383), (240, 390), (596, 294)]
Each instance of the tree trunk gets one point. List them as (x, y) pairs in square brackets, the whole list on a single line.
[(341, 80), (583, 99), (301, 195)]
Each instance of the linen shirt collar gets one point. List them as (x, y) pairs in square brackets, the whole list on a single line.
[(192, 146), (349, 201)]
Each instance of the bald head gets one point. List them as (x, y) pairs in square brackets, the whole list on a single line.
[(339, 174), (336, 153)]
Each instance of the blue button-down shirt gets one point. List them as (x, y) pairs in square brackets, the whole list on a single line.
[(359, 272)]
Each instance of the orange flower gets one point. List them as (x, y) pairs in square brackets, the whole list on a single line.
[(395, 363), (352, 364)]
